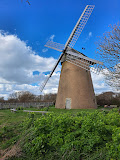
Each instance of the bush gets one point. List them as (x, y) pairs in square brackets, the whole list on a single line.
[(20, 108), (65, 136)]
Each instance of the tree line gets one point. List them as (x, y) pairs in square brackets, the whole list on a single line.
[(26, 96), (108, 98), (105, 98)]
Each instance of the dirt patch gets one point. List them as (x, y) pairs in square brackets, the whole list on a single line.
[(10, 152)]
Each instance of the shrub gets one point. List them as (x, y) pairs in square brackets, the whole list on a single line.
[(20, 108), (65, 136)]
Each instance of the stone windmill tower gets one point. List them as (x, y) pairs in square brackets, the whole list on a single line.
[(75, 89)]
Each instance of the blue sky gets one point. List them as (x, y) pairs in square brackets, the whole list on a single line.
[(34, 24)]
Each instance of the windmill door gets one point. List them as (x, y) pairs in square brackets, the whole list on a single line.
[(68, 103)]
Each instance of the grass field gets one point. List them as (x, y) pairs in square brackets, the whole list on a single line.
[(9, 118), (11, 126)]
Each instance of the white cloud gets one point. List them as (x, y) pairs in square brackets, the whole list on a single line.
[(6, 89), (88, 37), (18, 62), (52, 37), (99, 83), (44, 50), (4, 95), (52, 85), (90, 34)]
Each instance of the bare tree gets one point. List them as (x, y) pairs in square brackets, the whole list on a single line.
[(50, 97), (22, 96), (2, 99), (39, 98), (109, 53), (13, 97), (26, 96), (108, 98)]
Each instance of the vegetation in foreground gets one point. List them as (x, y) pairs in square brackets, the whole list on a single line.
[(71, 135)]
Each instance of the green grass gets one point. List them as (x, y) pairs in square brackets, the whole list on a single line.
[(53, 109), (11, 126), (8, 117)]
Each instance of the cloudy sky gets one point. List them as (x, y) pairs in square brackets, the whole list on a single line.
[(24, 30)]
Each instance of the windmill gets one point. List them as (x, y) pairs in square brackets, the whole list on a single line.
[(75, 89)]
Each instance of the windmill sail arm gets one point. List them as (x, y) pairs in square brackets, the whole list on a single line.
[(54, 45), (56, 64), (46, 80), (84, 57), (79, 26), (84, 64)]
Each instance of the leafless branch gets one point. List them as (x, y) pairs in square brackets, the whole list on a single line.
[(108, 51)]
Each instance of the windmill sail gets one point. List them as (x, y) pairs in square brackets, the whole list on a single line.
[(77, 54), (83, 61), (55, 66), (79, 26), (54, 45), (84, 64), (75, 33)]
